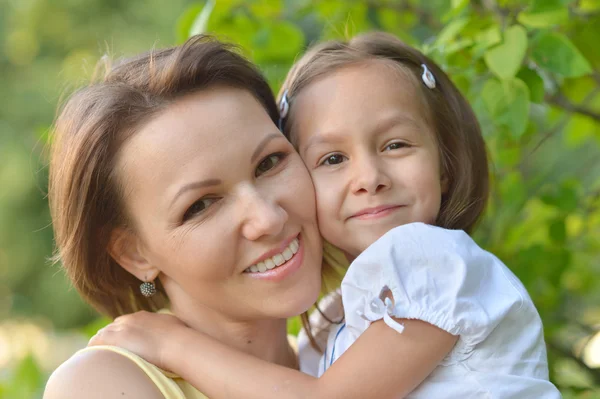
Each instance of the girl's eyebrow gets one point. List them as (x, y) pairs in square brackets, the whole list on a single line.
[(381, 127), (320, 138), (395, 120)]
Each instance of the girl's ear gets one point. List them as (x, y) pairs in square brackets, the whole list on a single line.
[(444, 183), (128, 251)]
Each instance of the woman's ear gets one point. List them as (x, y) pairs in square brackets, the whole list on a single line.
[(127, 250)]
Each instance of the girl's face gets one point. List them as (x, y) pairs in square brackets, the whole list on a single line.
[(363, 133), (216, 192)]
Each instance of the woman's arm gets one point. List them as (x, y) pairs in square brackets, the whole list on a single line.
[(382, 363), (100, 375)]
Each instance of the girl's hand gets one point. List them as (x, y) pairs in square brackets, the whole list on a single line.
[(143, 333)]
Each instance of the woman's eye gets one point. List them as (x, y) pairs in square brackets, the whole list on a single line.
[(269, 163), (333, 159), (198, 207), (395, 146)]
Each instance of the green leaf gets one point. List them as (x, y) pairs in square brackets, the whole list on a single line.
[(201, 21), (554, 52), (294, 325), (508, 103), (278, 41), (534, 82), (589, 5), (579, 130), (565, 198), (451, 30), (544, 13), (459, 3), (506, 59), (558, 231), (486, 39), (27, 379), (186, 20), (92, 328)]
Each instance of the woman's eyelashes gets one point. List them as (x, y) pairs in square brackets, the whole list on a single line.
[(271, 161), (268, 163), (198, 207)]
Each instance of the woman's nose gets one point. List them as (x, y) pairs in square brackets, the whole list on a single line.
[(262, 217)]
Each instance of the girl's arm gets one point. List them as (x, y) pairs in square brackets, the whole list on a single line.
[(381, 363)]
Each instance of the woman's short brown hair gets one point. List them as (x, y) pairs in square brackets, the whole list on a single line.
[(462, 148), (86, 199)]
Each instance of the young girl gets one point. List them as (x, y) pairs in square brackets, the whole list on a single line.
[(394, 150)]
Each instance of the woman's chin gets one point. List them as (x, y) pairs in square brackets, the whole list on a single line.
[(299, 299)]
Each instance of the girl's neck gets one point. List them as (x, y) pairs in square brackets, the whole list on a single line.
[(265, 339)]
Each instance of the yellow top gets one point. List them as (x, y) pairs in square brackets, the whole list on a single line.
[(171, 386)]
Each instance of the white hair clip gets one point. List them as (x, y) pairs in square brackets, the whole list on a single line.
[(284, 108), (428, 77)]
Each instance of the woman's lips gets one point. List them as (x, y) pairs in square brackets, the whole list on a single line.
[(284, 270)]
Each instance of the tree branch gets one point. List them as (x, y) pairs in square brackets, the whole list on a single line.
[(563, 102), (562, 123)]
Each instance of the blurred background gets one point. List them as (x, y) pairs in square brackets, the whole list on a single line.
[(531, 70)]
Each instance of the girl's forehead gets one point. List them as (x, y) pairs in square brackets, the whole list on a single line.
[(357, 96)]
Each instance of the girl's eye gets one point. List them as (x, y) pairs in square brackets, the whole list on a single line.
[(269, 163), (333, 159), (395, 146), (198, 207)]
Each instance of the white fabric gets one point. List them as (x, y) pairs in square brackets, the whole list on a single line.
[(442, 277)]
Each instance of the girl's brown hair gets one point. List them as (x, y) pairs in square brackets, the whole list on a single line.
[(463, 154), (86, 199)]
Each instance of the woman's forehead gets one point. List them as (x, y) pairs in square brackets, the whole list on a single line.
[(199, 134)]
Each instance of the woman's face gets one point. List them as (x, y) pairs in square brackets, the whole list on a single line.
[(223, 208)]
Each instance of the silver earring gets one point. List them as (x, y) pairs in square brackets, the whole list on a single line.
[(148, 288)]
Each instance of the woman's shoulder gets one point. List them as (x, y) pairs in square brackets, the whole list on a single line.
[(100, 374)]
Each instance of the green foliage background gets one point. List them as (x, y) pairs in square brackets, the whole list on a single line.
[(530, 69)]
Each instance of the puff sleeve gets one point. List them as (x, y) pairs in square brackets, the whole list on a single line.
[(440, 276)]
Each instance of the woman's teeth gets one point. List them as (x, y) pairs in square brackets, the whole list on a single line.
[(276, 260)]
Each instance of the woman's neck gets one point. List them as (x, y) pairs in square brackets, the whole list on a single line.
[(266, 339)]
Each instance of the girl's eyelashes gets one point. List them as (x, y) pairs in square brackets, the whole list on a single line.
[(198, 207), (396, 146), (332, 159), (269, 162)]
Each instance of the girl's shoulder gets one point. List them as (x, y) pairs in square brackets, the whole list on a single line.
[(417, 250), (421, 239), (436, 275)]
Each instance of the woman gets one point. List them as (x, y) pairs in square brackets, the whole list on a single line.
[(170, 185)]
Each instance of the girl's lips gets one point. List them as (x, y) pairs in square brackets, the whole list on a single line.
[(285, 270), (375, 213)]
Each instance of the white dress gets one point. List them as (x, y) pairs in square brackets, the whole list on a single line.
[(444, 278)]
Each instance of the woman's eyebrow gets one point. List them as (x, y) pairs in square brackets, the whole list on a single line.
[(195, 186), (263, 143)]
